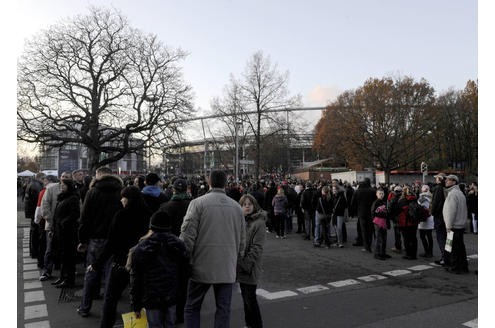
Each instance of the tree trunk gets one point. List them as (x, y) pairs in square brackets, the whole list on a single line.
[(93, 160)]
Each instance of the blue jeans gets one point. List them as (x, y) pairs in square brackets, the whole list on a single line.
[(158, 318), (309, 224), (322, 232), (338, 229), (48, 260), (92, 279), (195, 295)]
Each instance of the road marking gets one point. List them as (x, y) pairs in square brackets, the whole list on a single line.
[(372, 277), (261, 292), (33, 284), (38, 324), (34, 296), (29, 260), (420, 267), (343, 283), (35, 311), (281, 294), (312, 289), (30, 275), (473, 323), (395, 273), (30, 267)]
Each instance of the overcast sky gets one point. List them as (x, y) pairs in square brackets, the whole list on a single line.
[(326, 46)]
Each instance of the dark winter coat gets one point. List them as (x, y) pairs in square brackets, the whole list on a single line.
[(100, 205), (154, 197), (362, 200), (339, 204), (65, 222), (322, 205), (157, 262), (128, 226), (307, 199), (437, 201), (31, 198), (176, 207), (472, 204), (280, 205)]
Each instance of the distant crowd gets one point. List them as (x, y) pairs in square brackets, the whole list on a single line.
[(172, 237)]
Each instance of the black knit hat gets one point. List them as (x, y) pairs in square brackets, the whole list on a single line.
[(152, 178), (161, 221), (180, 185)]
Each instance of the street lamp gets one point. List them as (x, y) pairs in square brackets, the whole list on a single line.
[(238, 125)]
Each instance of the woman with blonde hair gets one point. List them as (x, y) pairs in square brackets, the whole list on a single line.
[(249, 266)]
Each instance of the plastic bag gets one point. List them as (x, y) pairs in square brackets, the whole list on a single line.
[(131, 321)]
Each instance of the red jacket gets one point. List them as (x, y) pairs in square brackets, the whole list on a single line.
[(403, 208)]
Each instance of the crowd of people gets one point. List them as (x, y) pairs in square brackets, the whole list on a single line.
[(169, 239)]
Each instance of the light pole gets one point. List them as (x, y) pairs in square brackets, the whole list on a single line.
[(238, 125)]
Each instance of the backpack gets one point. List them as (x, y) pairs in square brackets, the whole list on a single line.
[(416, 212)]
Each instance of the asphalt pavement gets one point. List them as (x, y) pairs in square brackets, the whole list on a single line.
[(301, 286)]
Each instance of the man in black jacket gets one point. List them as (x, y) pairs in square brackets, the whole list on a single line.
[(153, 192), (361, 203), (308, 210), (437, 202), (100, 205)]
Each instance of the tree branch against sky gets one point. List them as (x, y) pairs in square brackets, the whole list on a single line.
[(97, 81), (264, 89)]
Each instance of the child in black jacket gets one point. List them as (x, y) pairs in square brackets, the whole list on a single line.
[(156, 263)]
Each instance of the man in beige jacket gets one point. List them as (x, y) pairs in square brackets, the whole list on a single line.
[(214, 233), (455, 216)]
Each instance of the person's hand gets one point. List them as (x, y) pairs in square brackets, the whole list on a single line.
[(81, 248), (90, 268)]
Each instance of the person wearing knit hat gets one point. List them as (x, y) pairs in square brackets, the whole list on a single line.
[(156, 263), (161, 221), (176, 208)]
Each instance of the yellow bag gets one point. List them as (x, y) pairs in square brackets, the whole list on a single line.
[(130, 320)]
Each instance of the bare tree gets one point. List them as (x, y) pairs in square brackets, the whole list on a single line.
[(264, 89), (96, 81)]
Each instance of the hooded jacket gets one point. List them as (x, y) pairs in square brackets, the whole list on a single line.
[(455, 208), (100, 205), (249, 266), (157, 262)]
